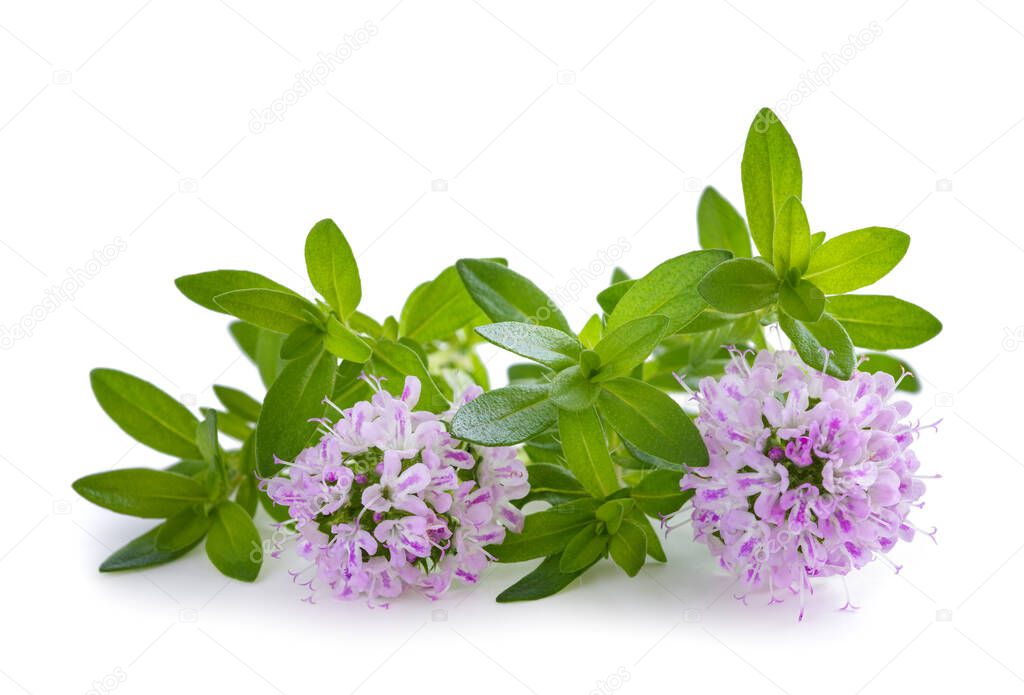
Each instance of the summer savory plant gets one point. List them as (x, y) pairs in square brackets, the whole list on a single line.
[(385, 460)]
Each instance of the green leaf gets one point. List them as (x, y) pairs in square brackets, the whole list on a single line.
[(439, 308), (281, 312), (142, 552), (654, 548), (802, 301), (592, 331), (202, 288), (183, 530), (613, 512), (552, 484), (283, 428), (549, 346), (342, 341), (248, 495), (629, 345), (145, 412), (332, 268), (302, 341), (238, 402), (880, 322), (670, 290), (233, 543), (142, 492), (546, 580), (586, 451), (394, 362), (628, 547), (812, 339), (740, 285), (817, 239), (546, 532), (719, 226), (856, 259), (875, 362), (527, 372), (609, 297), (245, 336), (268, 355), (505, 295), (791, 244), (583, 550), (505, 416), (650, 420), (571, 389), (658, 493), (209, 447), (361, 323), (771, 173)]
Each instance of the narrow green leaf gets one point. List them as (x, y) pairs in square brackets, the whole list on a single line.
[(880, 322), (505, 295), (740, 285), (546, 580), (817, 239), (546, 532), (654, 548), (233, 544), (629, 345), (771, 173), (439, 308), (245, 336), (505, 416), (183, 530), (628, 547), (332, 268), (609, 297), (720, 226), (670, 290), (268, 355), (342, 341), (238, 402), (248, 494), (283, 428), (145, 412), (650, 420), (586, 451), (658, 493), (613, 512), (142, 552), (549, 346), (856, 259), (802, 301), (303, 340), (202, 288), (142, 492), (791, 244), (552, 484), (583, 550), (812, 340), (273, 310)]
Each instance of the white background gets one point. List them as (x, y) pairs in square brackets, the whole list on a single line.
[(562, 130)]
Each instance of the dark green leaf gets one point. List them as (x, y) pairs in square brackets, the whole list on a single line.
[(613, 512), (650, 420), (142, 552), (233, 544), (549, 346), (856, 259), (670, 290), (281, 312), (880, 322), (813, 340), (302, 341), (625, 347), (542, 582), (505, 416), (802, 301), (771, 173), (654, 548), (740, 285), (658, 493), (583, 550), (546, 532), (238, 402), (874, 362), (505, 295), (332, 267), (202, 288), (628, 547), (394, 362), (183, 530), (586, 451), (247, 496), (143, 492), (552, 484), (720, 226)]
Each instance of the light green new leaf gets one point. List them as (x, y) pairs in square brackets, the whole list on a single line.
[(332, 268), (342, 341), (719, 226), (740, 285), (505, 295), (856, 259), (670, 290), (629, 345), (282, 312), (586, 451), (549, 346), (146, 413), (771, 173), (813, 339), (233, 544), (791, 244), (142, 492), (880, 322), (505, 416)]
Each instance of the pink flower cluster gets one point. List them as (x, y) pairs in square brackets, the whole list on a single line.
[(388, 500), (809, 476)]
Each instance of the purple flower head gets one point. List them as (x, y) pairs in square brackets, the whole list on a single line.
[(808, 476), (387, 501)]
